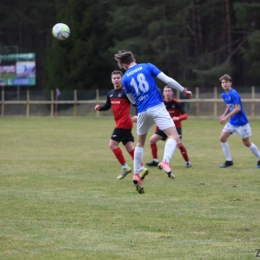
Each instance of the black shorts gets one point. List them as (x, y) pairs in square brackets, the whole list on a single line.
[(164, 136), (122, 135)]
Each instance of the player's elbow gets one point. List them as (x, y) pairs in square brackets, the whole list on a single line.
[(238, 108)]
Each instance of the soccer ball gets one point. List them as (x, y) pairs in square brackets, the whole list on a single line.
[(61, 31)]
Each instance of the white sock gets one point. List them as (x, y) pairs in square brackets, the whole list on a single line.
[(156, 160), (124, 166), (138, 158), (169, 149), (226, 151), (255, 150)]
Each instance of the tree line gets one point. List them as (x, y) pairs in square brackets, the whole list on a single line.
[(194, 41)]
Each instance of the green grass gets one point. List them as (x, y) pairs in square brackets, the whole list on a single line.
[(60, 198)]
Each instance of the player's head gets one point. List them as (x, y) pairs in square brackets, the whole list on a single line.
[(226, 82), (168, 92), (116, 78), (124, 58)]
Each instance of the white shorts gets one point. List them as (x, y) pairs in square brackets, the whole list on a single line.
[(244, 131), (155, 115)]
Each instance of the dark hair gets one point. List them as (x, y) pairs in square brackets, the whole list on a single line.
[(225, 77), (167, 86), (124, 57)]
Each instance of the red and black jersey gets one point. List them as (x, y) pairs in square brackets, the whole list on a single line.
[(120, 104), (175, 109)]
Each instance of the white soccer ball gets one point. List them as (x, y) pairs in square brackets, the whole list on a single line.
[(61, 31)]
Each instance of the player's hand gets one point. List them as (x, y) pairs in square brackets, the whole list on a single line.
[(97, 107), (134, 118), (175, 118), (187, 93), (223, 119)]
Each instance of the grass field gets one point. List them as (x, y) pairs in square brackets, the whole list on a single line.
[(60, 198)]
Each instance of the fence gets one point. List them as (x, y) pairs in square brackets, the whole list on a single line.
[(205, 102)]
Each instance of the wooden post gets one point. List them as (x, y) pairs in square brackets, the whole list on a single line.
[(52, 103), (3, 99), (178, 94), (28, 104), (75, 103), (97, 98), (215, 103), (253, 103), (197, 103), (57, 94)]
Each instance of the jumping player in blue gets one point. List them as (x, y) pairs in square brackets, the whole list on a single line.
[(140, 87), (238, 122)]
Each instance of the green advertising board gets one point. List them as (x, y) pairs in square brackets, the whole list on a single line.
[(18, 69)]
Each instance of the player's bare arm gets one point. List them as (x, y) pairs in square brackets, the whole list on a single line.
[(226, 117), (225, 112)]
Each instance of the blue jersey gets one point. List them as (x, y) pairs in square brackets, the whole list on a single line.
[(232, 98), (140, 81)]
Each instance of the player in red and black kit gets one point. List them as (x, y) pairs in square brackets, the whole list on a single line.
[(118, 101), (177, 114)]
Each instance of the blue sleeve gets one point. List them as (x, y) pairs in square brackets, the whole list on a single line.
[(124, 83), (235, 98), (154, 70)]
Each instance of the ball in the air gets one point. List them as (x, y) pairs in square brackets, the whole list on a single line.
[(61, 31)]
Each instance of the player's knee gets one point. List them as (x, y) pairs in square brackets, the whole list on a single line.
[(246, 143), (222, 139), (129, 150), (152, 140), (175, 137), (179, 144), (112, 146)]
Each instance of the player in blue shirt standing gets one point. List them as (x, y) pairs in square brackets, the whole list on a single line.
[(238, 122), (141, 88)]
